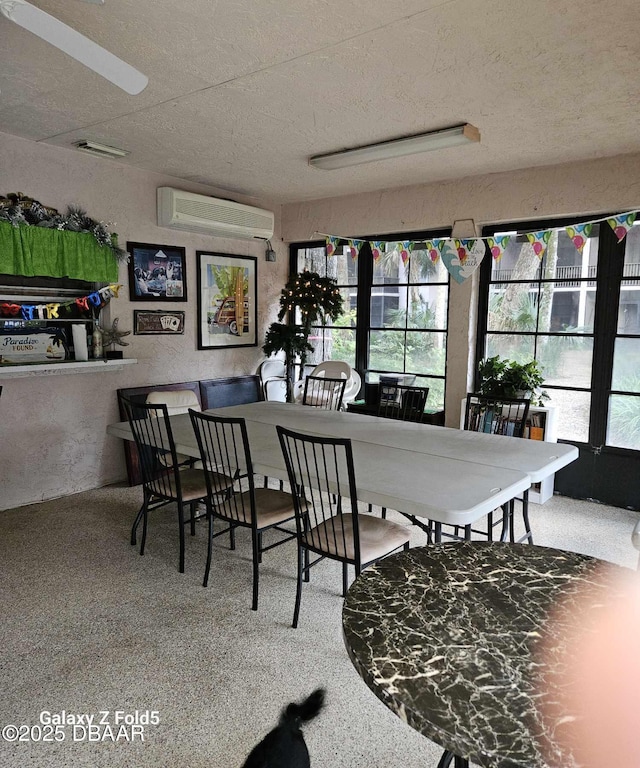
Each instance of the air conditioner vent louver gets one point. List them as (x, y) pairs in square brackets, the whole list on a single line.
[(212, 216)]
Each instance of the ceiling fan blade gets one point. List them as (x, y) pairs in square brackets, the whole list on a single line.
[(75, 45)]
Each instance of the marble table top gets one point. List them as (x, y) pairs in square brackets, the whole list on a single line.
[(448, 637)]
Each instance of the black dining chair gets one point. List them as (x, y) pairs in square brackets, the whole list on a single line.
[(397, 401), (322, 479), (403, 403), (164, 479), (224, 448), (321, 392), (500, 416)]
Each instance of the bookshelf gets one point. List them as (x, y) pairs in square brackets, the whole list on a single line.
[(542, 425)]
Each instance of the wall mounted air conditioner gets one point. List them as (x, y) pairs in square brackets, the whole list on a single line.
[(211, 215)]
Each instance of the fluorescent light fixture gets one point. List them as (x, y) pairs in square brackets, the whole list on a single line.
[(410, 145), (100, 150)]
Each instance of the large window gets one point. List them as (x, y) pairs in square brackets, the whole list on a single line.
[(336, 341), (395, 313), (544, 309)]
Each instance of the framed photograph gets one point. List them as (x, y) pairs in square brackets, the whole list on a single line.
[(227, 300), (157, 321), (157, 272)]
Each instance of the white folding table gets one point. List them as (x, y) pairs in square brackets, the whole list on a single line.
[(390, 472)]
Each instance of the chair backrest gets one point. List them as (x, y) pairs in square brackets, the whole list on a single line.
[(177, 401), (225, 454), (332, 369), (275, 390), (322, 477), (321, 392), (272, 369), (496, 415), (352, 389), (153, 437), (397, 401)]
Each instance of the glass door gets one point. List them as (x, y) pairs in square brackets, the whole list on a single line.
[(578, 314)]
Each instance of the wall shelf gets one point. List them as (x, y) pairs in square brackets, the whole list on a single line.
[(73, 366)]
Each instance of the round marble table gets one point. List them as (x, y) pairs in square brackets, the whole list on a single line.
[(447, 637)]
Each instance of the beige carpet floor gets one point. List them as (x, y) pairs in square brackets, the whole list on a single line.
[(89, 625)]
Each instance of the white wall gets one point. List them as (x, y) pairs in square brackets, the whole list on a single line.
[(593, 187), (53, 427)]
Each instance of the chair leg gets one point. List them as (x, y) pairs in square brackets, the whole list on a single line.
[(384, 513), (232, 536), (525, 516), (145, 515), (181, 525), (209, 546), (256, 537), (406, 546), (136, 523), (467, 533), (490, 526), (192, 509), (504, 533), (345, 579), (296, 610), (512, 530)]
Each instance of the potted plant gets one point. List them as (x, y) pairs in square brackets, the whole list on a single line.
[(317, 298), (499, 377)]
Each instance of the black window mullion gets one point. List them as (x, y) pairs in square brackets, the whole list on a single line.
[(610, 270), (365, 280)]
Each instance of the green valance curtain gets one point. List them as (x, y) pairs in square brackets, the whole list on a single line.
[(37, 251)]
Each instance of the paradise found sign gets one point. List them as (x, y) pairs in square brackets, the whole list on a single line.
[(33, 345)]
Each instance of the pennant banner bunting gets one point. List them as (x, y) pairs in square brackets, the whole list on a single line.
[(622, 224), (464, 247), (97, 299), (462, 257), (462, 261), (354, 247), (579, 234), (497, 246), (377, 248), (432, 247), (332, 244), (539, 241)]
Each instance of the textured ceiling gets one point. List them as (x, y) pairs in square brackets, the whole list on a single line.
[(242, 92)]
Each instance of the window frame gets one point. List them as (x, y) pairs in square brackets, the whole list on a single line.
[(364, 291)]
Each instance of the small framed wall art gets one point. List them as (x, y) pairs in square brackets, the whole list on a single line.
[(227, 300), (157, 272), (146, 322)]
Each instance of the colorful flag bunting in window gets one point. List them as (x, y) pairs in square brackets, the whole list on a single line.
[(332, 244), (621, 224), (405, 247), (461, 262), (539, 241), (354, 247), (497, 246), (579, 234), (432, 248), (377, 248), (464, 247)]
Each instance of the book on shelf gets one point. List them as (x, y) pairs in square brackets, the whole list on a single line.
[(535, 427)]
